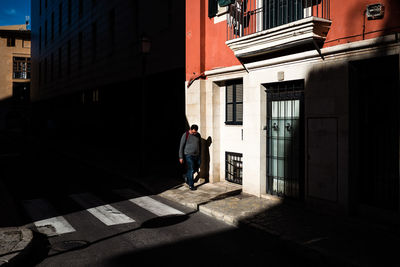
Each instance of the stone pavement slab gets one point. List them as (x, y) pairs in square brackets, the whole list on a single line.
[(330, 240), (13, 241), (205, 193), (235, 209)]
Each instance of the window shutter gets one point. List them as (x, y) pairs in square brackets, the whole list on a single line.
[(229, 93), (212, 8), (239, 112), (225, 2), (239, 93), (239, 102), (229, 113), (234, 102)]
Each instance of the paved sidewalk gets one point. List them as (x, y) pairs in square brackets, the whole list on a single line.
[(14, 245), (326, 240)]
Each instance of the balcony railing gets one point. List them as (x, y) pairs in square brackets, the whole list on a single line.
[(246, 17)]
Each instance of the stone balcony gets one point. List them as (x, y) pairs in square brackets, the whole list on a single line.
[(311, 30)]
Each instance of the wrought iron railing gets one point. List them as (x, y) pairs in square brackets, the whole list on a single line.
[(246, 17)]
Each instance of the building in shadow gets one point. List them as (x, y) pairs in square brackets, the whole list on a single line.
[(15, 74), (109, 75), (300, 98)]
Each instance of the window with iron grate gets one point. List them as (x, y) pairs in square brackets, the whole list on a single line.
[(21, 68), (233, 167)]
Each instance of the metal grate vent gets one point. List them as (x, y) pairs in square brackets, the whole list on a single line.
[(233, 167)]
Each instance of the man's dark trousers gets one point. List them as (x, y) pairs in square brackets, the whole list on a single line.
[(193, 165)]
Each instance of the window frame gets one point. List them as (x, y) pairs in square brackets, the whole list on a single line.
[(234, 102), (80, 49), (22, 68), (111, 25), (11, 40), (94, 41), (80, 9), (60, 18)]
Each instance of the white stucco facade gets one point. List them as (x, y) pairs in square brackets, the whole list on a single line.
[(326, 117)]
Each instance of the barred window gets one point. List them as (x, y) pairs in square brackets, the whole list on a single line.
[(234, 103), (21, 68), (233, 167)]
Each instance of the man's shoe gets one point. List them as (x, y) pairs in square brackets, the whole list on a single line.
[(192, 188)]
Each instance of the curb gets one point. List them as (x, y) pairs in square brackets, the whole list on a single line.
[(34, 252), (202, 206), (15, 256)]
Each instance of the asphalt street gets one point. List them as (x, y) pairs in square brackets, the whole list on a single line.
[(86, 217)]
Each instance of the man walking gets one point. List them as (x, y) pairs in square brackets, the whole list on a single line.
[(189, 150)]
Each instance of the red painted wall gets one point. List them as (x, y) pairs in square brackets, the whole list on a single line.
[(193, 38), (348, 21), (205, 41)]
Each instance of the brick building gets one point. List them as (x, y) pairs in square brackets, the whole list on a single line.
[(15, 70)]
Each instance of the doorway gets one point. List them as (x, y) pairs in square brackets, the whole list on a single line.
[(374, 133), (21, 92), (285, 139)]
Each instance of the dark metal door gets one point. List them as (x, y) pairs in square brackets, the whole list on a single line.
[(284, 138), (374, 132)]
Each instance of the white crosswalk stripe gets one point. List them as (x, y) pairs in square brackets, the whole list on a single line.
[(49, 222), (105, 213), (45, 218), (156, 207), (150, 204)]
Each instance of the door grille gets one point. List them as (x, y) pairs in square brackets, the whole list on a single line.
[(285, 138)]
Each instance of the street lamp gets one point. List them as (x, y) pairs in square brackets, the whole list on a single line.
[(145, 48), (145, 43)]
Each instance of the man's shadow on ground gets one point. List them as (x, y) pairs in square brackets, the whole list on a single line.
[(205, 161)]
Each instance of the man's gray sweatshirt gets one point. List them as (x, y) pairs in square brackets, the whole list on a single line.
[(191, 146)]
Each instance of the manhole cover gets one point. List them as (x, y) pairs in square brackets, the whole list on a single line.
[(70, 245)]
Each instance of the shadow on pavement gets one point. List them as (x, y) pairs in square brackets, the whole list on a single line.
[(332, 239), (227, 248), (33, 254)]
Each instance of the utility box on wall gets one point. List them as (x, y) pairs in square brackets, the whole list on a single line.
[(375, 11)]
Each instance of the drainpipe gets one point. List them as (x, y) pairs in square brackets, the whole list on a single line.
[(241, 62), (200, 76), (363, 31)]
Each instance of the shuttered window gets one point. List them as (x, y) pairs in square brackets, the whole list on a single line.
[(234, 103), (10, 41), (212, 8), (223, 3)]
